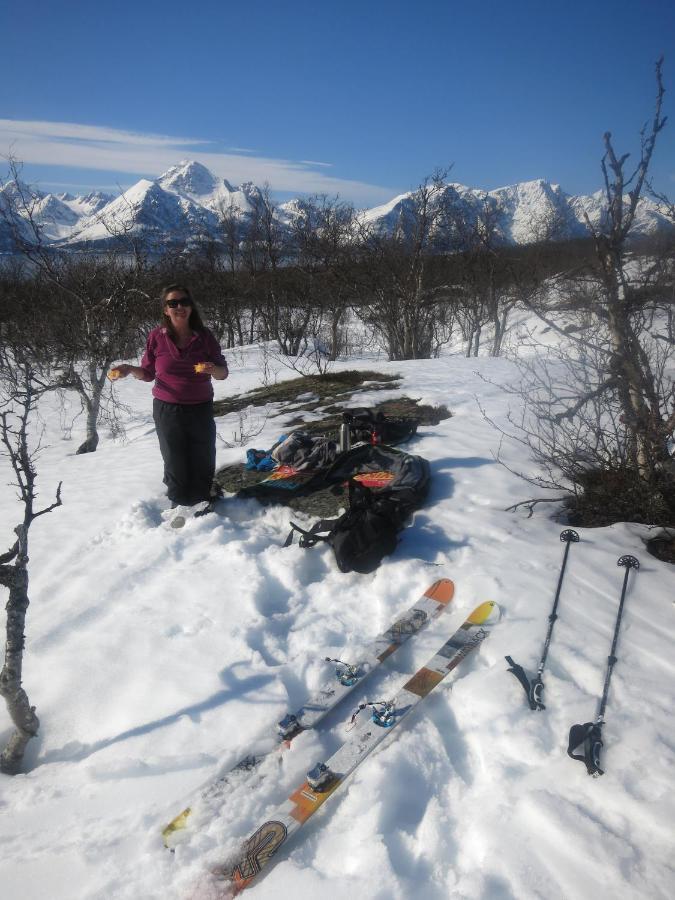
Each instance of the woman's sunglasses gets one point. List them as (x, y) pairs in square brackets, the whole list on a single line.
[(172, 304)]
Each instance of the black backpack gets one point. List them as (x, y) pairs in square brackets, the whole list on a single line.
[(364, 423), (361, 536)]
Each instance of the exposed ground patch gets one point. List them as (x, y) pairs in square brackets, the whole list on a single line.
[(338, 386), (613, 496)]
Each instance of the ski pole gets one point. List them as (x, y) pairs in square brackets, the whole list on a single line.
[(590, 733), (535, 688)]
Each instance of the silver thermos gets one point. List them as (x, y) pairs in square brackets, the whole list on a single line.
[(345, 438)]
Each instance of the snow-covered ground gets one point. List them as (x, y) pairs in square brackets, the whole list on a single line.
[(154, 658)]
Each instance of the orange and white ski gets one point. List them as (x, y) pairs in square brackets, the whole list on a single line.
[(326, 777), (210, 796)]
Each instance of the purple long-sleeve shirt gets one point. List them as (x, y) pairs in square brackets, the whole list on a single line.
[(173, 369)]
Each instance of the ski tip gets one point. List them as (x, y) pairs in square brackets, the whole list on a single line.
[(176, 824), (442, 591), (486, 614)]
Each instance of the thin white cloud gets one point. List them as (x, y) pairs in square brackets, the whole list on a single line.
[(20, 130), (114, 150), (313, 162), (80, 186)]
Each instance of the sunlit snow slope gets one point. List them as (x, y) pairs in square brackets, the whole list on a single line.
[(155, 656)]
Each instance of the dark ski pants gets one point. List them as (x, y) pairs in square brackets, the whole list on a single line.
[(187, 439)]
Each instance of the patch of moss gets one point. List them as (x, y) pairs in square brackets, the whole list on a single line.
[(330, 385)]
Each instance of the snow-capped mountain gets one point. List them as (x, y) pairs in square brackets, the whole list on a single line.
[(88, 204), (186, 205), (522, 213), (11, 198), (147, 211), (194, 181), (57, 215), (534, 210)]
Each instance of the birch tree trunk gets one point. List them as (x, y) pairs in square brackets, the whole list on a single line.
[(22, 714), (636, 383), (19, 386)]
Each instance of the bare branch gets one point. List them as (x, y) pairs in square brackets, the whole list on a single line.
[(10, 555), (582, 401), (530, 504), (56, 503)]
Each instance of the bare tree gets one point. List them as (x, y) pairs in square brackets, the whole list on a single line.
[(94, 304), (20, 387), (397, 295), (321, 238), (648, 417), (235, 308), (479, 240), (494, 276), (600, 406)]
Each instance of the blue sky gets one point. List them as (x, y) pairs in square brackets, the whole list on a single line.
[(357, 99)]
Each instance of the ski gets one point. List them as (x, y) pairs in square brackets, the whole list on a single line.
[(346, 677), (325, 778)]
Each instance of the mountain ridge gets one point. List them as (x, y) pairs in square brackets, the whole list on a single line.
[(187, 202)]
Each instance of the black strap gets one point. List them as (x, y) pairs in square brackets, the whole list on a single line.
[(588, 736), (312, 536), (360, 499), (533, 689), (209, 508)]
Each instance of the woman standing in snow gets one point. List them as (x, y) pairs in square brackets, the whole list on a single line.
[(181, 357)]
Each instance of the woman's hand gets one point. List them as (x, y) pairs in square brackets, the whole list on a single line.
[(120, 371), (124, 369), (209, 368)]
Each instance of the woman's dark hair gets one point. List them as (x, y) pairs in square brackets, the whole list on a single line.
[(195, 320)]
